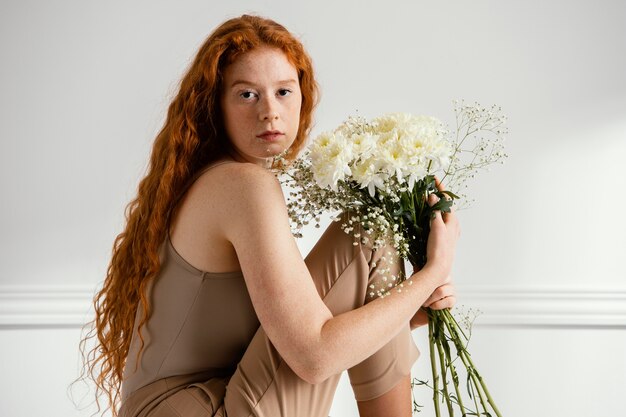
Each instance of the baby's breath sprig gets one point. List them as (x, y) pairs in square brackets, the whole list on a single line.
[(478, 143)]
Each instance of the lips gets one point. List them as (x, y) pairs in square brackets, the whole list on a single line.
[(271, 135)]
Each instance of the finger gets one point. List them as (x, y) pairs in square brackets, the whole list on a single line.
[(439, 185), (436, 218), (437, 304), (432, 199), (452, 207), (448, 216), (441, 188), (440, 293), (452, 224), (446, 289), (447, 302)]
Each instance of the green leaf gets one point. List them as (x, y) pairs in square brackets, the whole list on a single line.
[(443, 205), (450, 194)]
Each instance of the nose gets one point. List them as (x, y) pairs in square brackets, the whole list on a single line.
[(268, 109)]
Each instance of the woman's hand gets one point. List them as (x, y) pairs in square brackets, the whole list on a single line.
[(444, 233), (443, 297)]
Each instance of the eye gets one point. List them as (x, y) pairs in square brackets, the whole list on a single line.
[(284, 92), (247, 95)]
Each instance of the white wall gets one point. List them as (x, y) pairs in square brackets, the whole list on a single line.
[(84, 86)]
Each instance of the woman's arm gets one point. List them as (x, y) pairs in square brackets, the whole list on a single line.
[(314, 344)]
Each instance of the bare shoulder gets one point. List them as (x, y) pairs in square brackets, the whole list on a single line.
[(241, 183), (242, 194), (220, 210), (225, 184), (245, 172)]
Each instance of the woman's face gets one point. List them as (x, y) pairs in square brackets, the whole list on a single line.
[(261, 104)]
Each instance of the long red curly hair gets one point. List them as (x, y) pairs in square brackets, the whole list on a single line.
[(192, 136)]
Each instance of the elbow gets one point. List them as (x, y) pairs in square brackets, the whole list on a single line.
[(313, 361), (312, 372), (312, 377)]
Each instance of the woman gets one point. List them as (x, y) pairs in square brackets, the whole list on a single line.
[(208, 309)]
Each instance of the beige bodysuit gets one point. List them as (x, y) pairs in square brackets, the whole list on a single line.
[(201, 322), (205, 354)]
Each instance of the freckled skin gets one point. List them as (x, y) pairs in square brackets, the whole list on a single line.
[(261, 93)]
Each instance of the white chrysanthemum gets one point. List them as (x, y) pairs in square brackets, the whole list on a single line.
[(426, 126), (383, 138), (415, 172), (322, 142), (391, 121), (394, 159), (397, 145), (363, 144), (330, 160), (421, 139), (367, 174), (439, 153)]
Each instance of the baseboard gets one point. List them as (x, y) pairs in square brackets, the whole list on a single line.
[(70, 306)]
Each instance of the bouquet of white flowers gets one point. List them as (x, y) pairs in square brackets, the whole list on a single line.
[(381, 172)]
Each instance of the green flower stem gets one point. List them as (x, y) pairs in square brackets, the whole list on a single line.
[(433, 366), (471, 370), (453, 328), (445, 317), (460, 348), (450, 318), (477, 386), (477, 376), (440, 341), (474, 397), (465, 409), (455, 380)]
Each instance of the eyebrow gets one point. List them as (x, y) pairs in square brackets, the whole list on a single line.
[(288, 81)]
